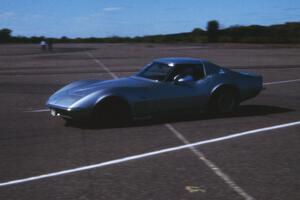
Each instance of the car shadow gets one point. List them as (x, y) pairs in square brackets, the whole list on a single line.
[(241, 111)]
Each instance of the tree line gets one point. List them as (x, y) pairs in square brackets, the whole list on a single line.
[(279, 33)]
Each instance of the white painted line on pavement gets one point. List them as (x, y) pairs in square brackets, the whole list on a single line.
[(281, 82), (200, 155), (101, 65), (211, 165), (149, 154), (37, 111)]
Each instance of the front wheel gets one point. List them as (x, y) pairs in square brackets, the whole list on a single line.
[(112, 113), (224, 101)]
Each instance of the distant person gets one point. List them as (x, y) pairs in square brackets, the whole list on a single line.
[(50, 45), (43, 45)]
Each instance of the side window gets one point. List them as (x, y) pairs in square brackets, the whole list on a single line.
[(177, 70), (194, 70), (211, 68), (198, 72)]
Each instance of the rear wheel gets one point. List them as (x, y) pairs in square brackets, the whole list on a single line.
[(224, 101)]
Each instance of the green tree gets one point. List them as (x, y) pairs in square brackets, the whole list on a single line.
[(5, 35), (213, 31), (64, 39), (197, 31)]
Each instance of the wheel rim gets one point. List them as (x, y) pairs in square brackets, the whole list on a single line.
[(112, 114), (226, 102)]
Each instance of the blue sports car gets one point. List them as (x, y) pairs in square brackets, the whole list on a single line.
[(165, 85)]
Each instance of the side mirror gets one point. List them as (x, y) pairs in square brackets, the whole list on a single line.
[(183, 79)]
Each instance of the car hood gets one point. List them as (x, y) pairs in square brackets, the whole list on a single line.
[(92, 86), (85, 87), (75, 91)]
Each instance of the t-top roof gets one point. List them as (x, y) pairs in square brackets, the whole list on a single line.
[(179, 60)]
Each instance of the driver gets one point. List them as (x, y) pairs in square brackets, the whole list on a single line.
[(182, 72)]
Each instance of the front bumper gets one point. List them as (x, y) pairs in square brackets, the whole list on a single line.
[(66, 113)]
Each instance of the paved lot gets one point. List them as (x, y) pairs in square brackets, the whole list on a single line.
[(263, 165)]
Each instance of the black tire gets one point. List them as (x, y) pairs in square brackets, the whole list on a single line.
[(224, 101), (111, 112), (67, 121)]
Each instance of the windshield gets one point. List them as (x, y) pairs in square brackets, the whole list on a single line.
[(155, 71)]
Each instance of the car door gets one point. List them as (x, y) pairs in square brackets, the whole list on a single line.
[(171, 95)]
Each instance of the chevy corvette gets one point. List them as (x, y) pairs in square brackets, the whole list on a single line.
[(163, 86)]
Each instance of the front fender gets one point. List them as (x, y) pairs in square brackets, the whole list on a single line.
[(115, 95)]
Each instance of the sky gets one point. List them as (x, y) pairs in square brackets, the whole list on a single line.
[(104, 18)]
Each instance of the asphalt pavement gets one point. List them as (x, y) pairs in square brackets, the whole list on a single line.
[(46, 158)]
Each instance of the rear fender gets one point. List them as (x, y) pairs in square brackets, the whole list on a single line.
[(224, 87)]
